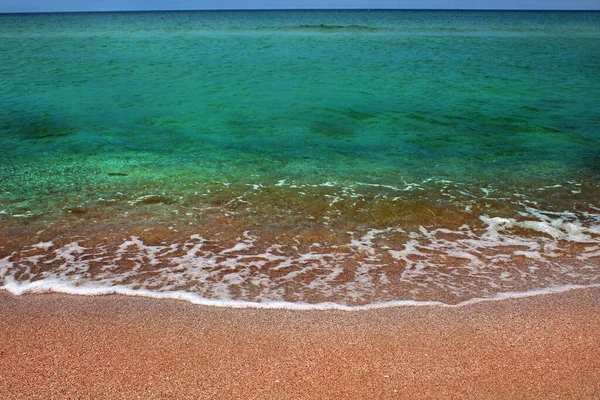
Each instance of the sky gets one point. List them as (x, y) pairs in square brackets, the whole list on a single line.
[(127, 5)]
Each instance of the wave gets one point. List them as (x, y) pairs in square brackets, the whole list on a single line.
[(50, 286), (324, 245), (311, 267)]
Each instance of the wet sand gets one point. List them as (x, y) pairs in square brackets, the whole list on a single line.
[(62, 346)]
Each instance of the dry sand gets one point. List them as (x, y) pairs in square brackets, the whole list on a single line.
[(60, 346)]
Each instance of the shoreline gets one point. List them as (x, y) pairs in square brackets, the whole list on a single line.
[(45, 287), (113, 346)]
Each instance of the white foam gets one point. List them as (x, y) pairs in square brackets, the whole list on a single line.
[(43, 245), (557, 228), (54, 286), (495, 255), (535, 255)]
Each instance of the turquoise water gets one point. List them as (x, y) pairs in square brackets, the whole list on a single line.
[(372, 156)]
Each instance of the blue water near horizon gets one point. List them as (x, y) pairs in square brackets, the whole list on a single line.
[(373, 156)]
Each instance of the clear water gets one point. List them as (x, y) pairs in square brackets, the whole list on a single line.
[(301, 156)]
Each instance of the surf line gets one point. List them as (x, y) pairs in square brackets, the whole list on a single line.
[(56, 286)]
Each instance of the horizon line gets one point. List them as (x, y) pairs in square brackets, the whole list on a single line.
[(304, 9)]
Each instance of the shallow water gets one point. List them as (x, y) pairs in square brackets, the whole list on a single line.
[(302, 157)]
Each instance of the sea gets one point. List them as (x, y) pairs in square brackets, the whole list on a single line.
[(300, 159)]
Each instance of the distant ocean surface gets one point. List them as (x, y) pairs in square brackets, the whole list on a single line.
[(295, 158)]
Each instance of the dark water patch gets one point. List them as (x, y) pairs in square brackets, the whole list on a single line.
[(38, 128), (358, 115), (351, 113), (242, 127), (333, 129), (425, 119), (435, 141), (530, 109), (324, 28), (546, 129), (159, 122)]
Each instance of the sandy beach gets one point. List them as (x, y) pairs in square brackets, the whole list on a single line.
[(62, 346)]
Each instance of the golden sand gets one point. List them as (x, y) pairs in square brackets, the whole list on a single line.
[(60, 346)]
